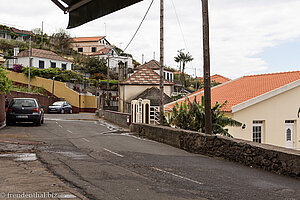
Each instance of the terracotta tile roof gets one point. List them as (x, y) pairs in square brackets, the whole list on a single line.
[(154, 65), (144, 76), (40, 53), (87, 39), (23, 32), (243, 89), (217, 78), (103, 51)]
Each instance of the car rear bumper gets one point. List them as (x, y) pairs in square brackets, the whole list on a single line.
[(22, 117)]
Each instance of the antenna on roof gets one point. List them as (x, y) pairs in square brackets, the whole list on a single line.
[(154, 55), (142, 59)]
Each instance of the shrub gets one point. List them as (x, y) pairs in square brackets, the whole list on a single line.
[(18, 68)]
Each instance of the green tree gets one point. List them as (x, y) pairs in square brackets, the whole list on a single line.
[(183, 58), (5, 83), (191, 116), (40, 38), (94, 65), (61, 40)]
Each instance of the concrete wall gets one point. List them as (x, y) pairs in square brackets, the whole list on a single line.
[(273, 112), (79, 102), (275, 159), (115, 117)]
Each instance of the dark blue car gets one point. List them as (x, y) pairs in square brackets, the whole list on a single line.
[(60, 107)]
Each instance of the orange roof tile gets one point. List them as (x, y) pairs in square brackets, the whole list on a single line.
[(87, 39), (243, 89), (40, 53), (144, 76), (103, 51), (217, 78)]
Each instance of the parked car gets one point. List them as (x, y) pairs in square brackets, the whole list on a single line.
[(25, 110), (60, 107)]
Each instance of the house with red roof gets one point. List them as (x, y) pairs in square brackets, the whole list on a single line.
[(42, 59), (267, 105), (89, 45), (139, 82), (14, 33)]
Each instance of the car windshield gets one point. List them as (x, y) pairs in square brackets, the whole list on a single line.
[(58, 103), (23, 102)]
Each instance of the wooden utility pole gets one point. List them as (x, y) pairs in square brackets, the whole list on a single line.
[(206, 68), (161, 85), (29, 55)]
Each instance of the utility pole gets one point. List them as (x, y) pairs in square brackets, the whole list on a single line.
[(206, 68), (42, 33), (142, 59), (107, 83), (161, 85), (29, 55)]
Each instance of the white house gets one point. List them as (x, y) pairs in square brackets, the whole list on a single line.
[(13, 33), (267, 105), (111, 55), (42, 59)]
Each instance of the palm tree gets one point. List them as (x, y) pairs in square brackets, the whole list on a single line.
[(183, 58), (178, 59)]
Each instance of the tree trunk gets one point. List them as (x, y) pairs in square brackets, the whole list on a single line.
[(183, 75)]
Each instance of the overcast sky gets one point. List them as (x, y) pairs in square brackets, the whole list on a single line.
[(247, 36)]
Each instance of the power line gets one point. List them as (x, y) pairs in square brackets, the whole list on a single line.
[(139, 25), (182, 35)]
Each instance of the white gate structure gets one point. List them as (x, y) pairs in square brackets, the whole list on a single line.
[(140, 111), (154, 115)]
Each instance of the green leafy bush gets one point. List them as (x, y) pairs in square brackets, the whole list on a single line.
[(191, 116), (5, 83)]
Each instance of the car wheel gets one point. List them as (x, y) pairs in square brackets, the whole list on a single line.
[(71, 111), (62, 111), (38, 123)]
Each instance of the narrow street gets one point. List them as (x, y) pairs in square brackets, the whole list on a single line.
[(105, 162)]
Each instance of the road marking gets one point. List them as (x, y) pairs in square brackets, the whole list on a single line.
[(178, 176), (86, 139), (114, 153), (60, 126), (69, 131)]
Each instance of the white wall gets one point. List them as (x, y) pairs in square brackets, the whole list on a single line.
[(114, 61), (273, 112), (35, 62)]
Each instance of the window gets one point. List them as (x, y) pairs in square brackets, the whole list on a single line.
[(171, 77), (94, 49), (63, 66), (168, 76), (2, 35), (164, 74), (257, 131), (80, 49), (41, 64), (53, 64)]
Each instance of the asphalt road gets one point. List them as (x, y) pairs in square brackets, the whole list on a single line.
[(105, 162)]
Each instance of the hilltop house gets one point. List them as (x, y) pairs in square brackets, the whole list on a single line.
[(89, 45), (137, 83), (267, 105), (42, 59), (13, 33), (111, 55)]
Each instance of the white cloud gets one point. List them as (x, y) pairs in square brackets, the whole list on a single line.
[(240, 29)]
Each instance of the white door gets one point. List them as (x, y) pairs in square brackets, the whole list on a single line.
[(289, 135)]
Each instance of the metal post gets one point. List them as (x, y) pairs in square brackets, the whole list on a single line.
[(29, 64), (206, 68), (161, 85), (53, 86), (42, 33)]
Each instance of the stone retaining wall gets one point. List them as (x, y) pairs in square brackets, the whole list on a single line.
[(116, 117), (268, 157)]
